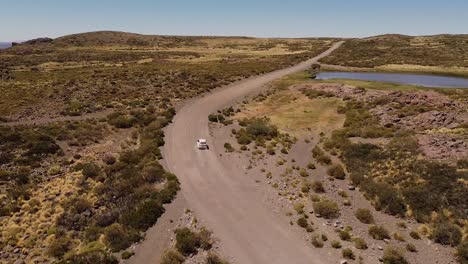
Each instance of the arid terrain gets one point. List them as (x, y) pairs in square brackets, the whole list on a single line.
[(81, 121), (379, 172), (98, 162), (438, 54)]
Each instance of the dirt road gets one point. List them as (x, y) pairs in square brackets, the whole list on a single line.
[(226, 200)]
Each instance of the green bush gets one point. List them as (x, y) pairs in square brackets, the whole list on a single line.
[(144, 215), (344, 235), (117, 238), (187, 242), (364, 215), (462, 252), (172, 257), (327, 209), (213, 258), (228, 147), (337, 172), (317, 241), (320, 156), (89, 169), (120, 120), (415, 235), (411, 247), (378, 232), (261, 127), (393, 256), (446, 233), (335, 244), (59, 246), (360, 243), (90, 257), (317, 186), (127, 254), (302, 222), (348, 253)]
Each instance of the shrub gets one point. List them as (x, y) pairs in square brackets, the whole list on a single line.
[(348, 253), (89, 169), (462, 252), (326, 208), (144, 215), (228, 147), (120, 120), (213, 258), (303, 173), (398, 236), (320, 156), (206, 242), (90, 257), (302, 222), (415, 235), (335, 244), (187, 241), (261, 127), (317, 241), (299, 207), (344, 235), (172, 257), (317, 186), (364, 215), (311, 166), (59, 246), (446, 233), (54, 170), (393, 256), (360, 243), (117, 238), (213, 118), (337, 172), (411, 247), (378, 232), (127, 254)]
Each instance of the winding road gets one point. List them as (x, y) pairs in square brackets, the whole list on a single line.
[(249, 232)]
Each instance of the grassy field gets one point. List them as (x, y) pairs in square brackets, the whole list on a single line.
[(440, 54), (294, 113)]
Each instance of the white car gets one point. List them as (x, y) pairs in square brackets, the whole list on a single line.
[(201, 144)]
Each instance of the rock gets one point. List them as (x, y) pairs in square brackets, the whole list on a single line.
[(380, 247), (343, 261), (351, 187), (16, 250)]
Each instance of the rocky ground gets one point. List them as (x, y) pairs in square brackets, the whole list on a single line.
[(281, 176)]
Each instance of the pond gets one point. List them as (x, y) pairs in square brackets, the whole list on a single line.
[(400, 78)]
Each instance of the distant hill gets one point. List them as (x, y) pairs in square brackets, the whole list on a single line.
[(4, 45), (393, 49)]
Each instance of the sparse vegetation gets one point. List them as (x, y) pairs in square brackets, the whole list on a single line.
[(327, 209), (348, 253), (378, 232), (364, 215), (393, 256)]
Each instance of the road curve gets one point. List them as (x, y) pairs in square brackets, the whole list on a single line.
[(249, 232)]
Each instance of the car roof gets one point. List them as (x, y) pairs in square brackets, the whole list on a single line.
[(202, 140)]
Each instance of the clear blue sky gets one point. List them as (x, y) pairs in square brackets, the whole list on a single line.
[(26, 19)]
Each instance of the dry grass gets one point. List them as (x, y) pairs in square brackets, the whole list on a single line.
[(296, 114)]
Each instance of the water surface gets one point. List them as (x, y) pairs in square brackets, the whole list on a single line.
[(400, 78)]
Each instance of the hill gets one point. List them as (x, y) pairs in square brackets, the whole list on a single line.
[(407, 53)]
